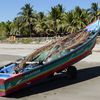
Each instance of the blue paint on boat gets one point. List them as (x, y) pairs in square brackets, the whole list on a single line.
[(8, 69), (4, 76), (94, 27)]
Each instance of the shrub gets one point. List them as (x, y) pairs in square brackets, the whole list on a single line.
[(26, 40), (2, 37)]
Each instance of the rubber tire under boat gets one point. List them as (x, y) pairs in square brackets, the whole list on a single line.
[(72, 72)]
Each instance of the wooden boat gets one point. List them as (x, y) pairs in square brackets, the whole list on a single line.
[(54, 57)]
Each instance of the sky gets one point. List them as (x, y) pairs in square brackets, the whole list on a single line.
[(10, 8)]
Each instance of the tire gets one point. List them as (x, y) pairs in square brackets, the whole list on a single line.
[(51, 76), (72, 72)]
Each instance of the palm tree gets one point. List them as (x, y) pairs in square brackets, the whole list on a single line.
[(27, 14), (71, 22), (94, 11), (81, 17), (76, 19), (8, 28), (18, 25), (41, 24), (2, 29), (55, 15)]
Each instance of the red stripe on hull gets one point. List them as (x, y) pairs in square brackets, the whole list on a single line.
[(2, 81), (2, 94), (50, 72)]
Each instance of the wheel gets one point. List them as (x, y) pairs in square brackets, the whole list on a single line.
[(72, 72)]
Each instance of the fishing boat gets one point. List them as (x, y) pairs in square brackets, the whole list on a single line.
[(45, 61)]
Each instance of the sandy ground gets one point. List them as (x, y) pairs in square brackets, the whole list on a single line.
[(85, 87)]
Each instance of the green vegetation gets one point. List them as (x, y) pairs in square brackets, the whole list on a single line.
[(57, 22), (25, 40)]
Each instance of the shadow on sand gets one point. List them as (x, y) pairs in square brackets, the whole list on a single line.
[(57, 82)]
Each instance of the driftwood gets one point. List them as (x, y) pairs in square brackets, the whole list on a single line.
[(68, 42)]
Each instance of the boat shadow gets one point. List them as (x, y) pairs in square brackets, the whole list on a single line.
[(57, 82)]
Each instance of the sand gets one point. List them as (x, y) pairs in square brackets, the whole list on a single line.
[(85, 87), (25, 49), (18, 49)]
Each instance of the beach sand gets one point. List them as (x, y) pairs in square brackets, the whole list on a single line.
[(85, 87)]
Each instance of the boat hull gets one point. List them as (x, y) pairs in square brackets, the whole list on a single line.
[(19, 81)]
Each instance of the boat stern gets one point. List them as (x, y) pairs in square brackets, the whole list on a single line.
[(2, 87), (3, 78)]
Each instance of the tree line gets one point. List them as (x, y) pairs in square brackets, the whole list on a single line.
[(58, 22)]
